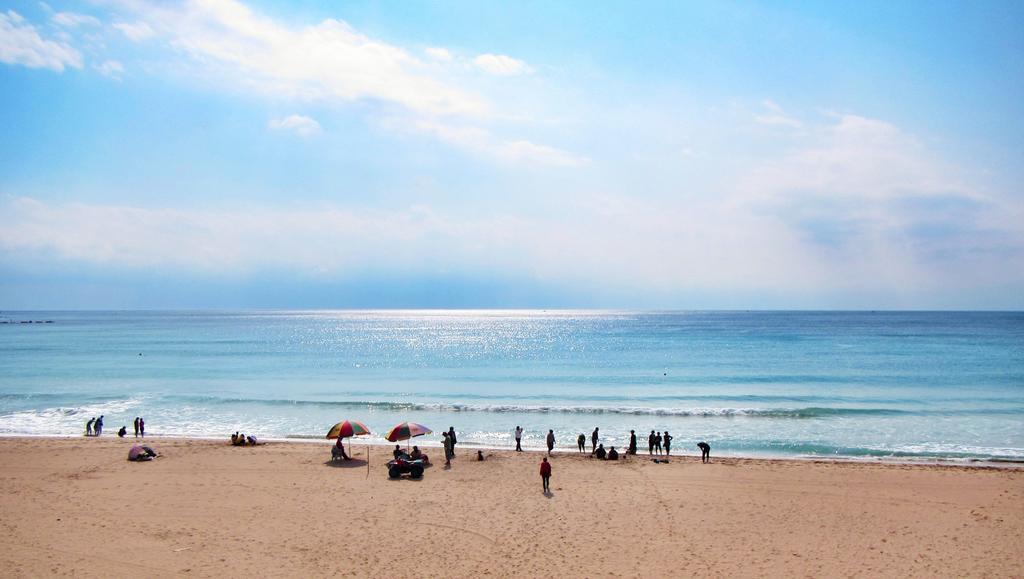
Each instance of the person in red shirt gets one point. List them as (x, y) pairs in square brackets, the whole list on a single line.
[(545, 473)]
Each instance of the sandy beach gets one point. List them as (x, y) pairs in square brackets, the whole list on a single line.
[(78, 507)]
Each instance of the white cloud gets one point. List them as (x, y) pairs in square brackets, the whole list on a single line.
[(482, 142), (110, 68), (869, 206), (501, 65), (230, 44), (74, 20), (440, 54), (329, 60), (20, 43), (298, 124), (135, 31), (774, 115)]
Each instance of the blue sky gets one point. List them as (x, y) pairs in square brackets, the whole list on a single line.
[(223, 154)]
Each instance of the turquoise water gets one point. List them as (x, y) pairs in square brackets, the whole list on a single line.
[(849, 384)]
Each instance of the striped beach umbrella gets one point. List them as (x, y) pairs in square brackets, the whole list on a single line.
[(348, 428), (407, 430)]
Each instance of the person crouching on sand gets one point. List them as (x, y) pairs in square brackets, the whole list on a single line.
[(582, 443), (705, 451), (545, 474)]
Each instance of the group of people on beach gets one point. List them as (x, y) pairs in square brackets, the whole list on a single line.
[(94, 427), (238, 439), (658, 443)]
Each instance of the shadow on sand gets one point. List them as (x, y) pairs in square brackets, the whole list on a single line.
[(354, 463)]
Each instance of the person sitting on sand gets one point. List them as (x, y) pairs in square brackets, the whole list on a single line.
[(480, 455), (122, 432), (600, 452), (339, 450), (241, 440), (234, 438), (252, 440), (582, 443), (705, 451), (418, 455), (613, 454)]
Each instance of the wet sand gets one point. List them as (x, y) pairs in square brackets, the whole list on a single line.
[(76, 507)]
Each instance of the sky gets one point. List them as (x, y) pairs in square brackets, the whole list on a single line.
[(463, 154)]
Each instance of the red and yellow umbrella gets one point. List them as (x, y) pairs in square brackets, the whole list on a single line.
[(407, 430), (348, 428)]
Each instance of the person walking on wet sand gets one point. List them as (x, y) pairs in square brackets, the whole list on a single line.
[(519, 439), (545, 474), (593, 442), (650, 443), (551, 441), (582, 443), (668, 443), (705, 451), (631, 449)]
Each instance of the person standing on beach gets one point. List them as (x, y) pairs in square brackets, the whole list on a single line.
[(448, 453), (142, 427), (705, 452), (97, 429), (545, 474), (631, 449), (650, 443), (136, 423), (668, 443), (88, 426), (519, 438), (451, 436), (593, 442), (657, 443), (581, 442), (551, 441)]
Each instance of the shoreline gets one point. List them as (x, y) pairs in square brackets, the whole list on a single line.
[(432, 444)]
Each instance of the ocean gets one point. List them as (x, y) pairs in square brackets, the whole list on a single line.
[(858, 385)]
